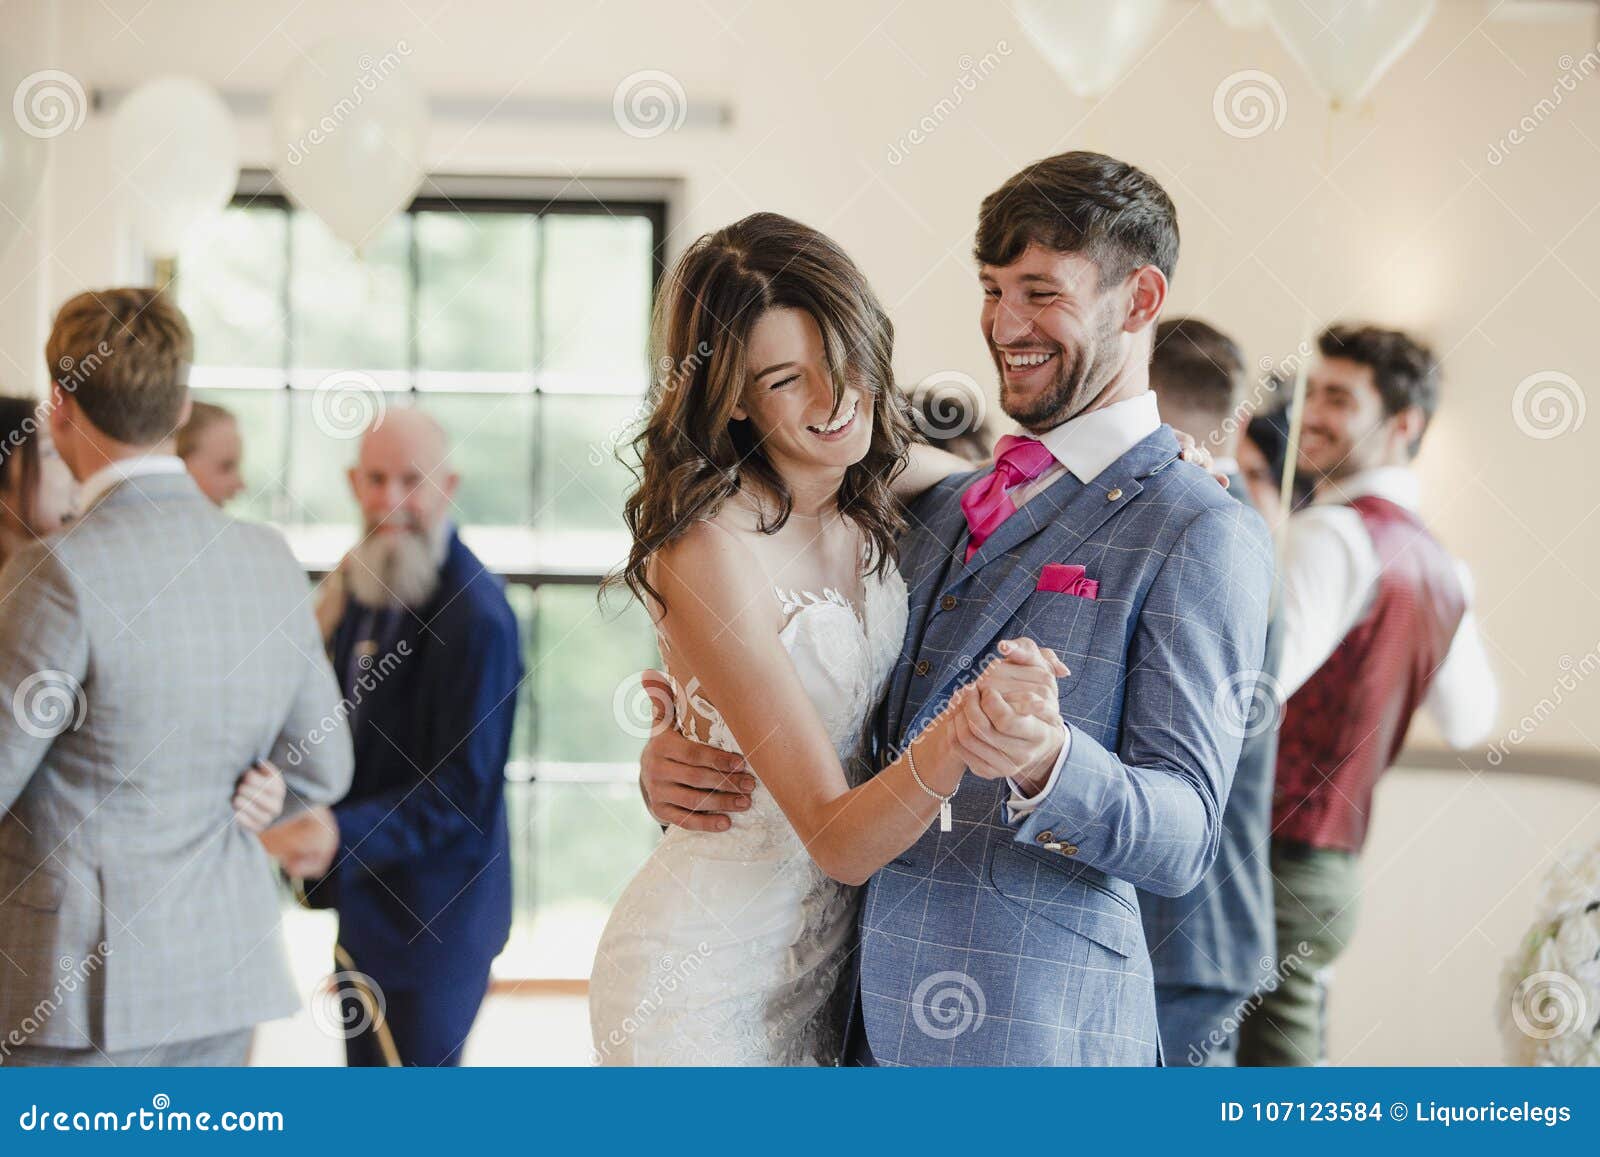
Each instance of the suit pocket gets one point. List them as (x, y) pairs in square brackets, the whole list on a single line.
[(1069, 625), (29, 886), (1067, 898)]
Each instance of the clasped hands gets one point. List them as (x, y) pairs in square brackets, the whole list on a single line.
[(1007, 722), (306, 844)]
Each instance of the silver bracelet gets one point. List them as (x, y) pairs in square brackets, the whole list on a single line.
[(945, 822)]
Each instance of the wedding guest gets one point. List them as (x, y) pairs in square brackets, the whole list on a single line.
[(37, 490), (38, 497), (212, 450), (416, 858), (148, 655), (1207, 947), (1376, 623), (1263, 452)]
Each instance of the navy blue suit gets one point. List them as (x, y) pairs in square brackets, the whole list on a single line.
[(1212, 948), (422, 880)]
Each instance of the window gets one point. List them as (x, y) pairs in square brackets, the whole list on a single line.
[(521, 323)]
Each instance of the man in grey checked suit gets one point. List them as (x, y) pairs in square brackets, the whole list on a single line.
[(1015, 938), (147, 656)]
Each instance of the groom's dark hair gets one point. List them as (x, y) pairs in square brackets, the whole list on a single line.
[(1118, 216)]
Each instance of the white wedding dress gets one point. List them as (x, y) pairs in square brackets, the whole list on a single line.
[(729, 948)]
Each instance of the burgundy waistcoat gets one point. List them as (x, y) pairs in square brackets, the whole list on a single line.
[(1343, 728)]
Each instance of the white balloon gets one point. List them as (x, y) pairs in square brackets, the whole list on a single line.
[(1090, 43), (23, 154), (175, 154), (348, 134), (1241, 13), (1347, 45)]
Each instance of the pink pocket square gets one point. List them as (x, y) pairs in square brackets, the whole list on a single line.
[(1069, 579)]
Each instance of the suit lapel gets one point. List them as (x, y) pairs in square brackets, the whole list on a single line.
[(1052, 525)]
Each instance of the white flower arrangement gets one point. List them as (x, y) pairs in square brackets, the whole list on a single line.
[(1550, 991)]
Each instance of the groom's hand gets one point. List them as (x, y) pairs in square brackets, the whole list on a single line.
[(1010, 725), (684, 783)]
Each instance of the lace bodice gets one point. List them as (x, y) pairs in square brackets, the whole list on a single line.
[(842, 656)]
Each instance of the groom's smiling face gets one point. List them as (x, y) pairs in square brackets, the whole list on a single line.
[(1055, 334)]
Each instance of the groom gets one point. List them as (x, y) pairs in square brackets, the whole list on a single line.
[(1015, 938)]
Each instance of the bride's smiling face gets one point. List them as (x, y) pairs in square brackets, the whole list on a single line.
[(788, 398)]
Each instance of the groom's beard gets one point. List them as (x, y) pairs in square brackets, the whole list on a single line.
[(390, 570), (1081, 374)]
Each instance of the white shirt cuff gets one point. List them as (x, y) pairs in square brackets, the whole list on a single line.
[(1019, 805)]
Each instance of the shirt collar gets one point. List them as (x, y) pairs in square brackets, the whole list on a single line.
[(103, 479), (1089, 443), (1398, 484)]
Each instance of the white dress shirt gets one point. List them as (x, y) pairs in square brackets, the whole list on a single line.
[(1329, 576), (103, 479), (1085, 445)]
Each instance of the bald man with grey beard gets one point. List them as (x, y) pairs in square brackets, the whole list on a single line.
[(416, 859)]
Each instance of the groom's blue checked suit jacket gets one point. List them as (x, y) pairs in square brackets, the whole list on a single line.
[(1021, 944)]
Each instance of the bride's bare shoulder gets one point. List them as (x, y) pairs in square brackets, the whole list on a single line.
[(711, 565)]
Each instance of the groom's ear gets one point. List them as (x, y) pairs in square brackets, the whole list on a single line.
[(1148, 294)]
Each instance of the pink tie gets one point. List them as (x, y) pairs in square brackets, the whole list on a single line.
[(986, 503)]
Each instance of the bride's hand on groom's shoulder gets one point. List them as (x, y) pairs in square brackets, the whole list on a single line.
[(688, 784), (1009, 721), (1191, 451)]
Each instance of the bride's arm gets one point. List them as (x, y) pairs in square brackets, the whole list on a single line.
[(926, 466), (723, 625)]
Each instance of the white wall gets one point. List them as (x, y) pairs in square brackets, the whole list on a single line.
[(1393, 212)]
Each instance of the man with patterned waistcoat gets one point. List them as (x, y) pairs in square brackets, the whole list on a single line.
[(1376, 623)]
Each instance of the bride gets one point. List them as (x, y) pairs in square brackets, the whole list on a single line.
[(773, 468)]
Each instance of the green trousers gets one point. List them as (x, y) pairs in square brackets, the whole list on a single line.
[(1317, 892)]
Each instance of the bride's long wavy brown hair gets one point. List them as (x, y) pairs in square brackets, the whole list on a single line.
[(692, 454)]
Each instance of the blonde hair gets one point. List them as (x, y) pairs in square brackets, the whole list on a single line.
[(202, 417), (123, 355)]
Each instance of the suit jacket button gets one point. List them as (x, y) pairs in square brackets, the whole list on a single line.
[(1045, 837), (948, 602), (1113, 495), (1069, 849), (923, 667)]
